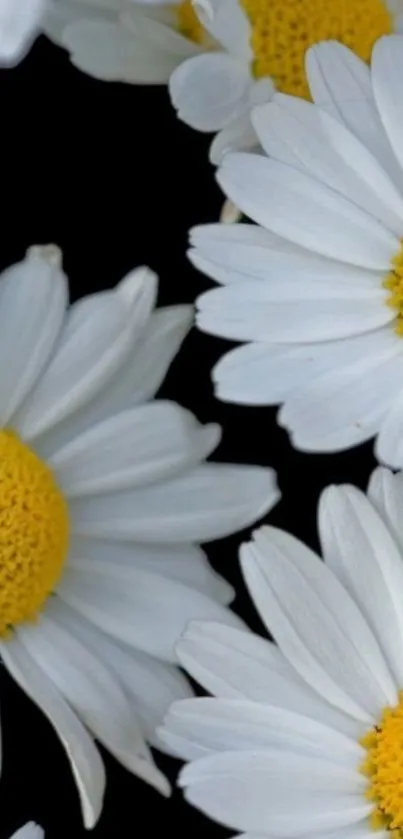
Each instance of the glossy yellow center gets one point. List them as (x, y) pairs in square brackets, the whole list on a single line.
[(188, 22), (34, 532), (282, 31), (394, 284), (384, 769)]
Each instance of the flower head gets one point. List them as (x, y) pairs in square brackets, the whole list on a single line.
[(305, 738), (316, 289), (104, 495)]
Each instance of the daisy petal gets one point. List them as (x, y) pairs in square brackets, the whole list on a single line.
[(186, 563), (136, 380), (385, 490), (276, 792), (144, 610), (86, 763), (128, 450), (29, 831), (305, 211), (207, 91), (33, 300), (238, 665), (317, 625), (198, 727), (19, 25), (387, 69), (98, 335), (206, 503), (228, 24), (389, 444), (92, 691), (362, 554)]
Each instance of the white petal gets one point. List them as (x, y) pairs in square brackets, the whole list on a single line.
[(136, 380), (94, 693), (151, 685), (294, 205), (134, 448), (29, 831), (317, 625), (300, 134), (228, 23), (98, 336), (59, 14), (238, 135), (33, 300), (86, 763), (290, 312), (387, 69), (19, 24), (145, 610), (187, 564), (385, 490), (389, 445), (208, 90), (265, 374), (198, 727), (361, 552), (238, 665), (276, 792), (348, 404), (341, 83), (206, 503)]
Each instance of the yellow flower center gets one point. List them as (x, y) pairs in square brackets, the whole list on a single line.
[(188, 22), (384, 769), (282, 31), (394, 284), (34, 532)]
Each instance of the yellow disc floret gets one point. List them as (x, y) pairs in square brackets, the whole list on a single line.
[(34, 532), (188, 22), (394, 284), (282, 31), (384, 769)]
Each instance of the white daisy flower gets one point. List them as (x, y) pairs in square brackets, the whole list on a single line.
[(227, 55), (104, 496), (29, 831), (316, 289), (19, 26), (306, 738)]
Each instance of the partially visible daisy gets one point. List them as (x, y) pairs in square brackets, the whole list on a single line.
[(104, 495), (227, 55), (29, 831), (306, 738), (316, 289), (19, 25)]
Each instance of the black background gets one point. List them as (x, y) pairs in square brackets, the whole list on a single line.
[(107, 172)]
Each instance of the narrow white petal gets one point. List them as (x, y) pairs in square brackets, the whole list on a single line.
[(134, 448), (239, 665), (385, 490), (187, 564), (137, 379), (197, 727), (94, 693), (85, 760), (364, 556), (19, 24), (389, 445), (29, 831), (387, 69), (98, 335), (276, 792), (305, 211), (238, 135), (227, 22), (206, 503), (341, 83), (145, 610), (317, 625), (33, 300), (151, 685)]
